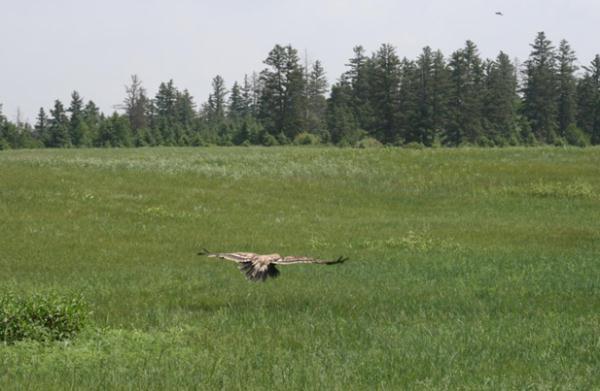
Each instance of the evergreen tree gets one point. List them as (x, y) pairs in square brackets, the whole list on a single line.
[(77, 128), (217, 101), (341, 121), (411, 100), (237, 104), (359, 77), (440, 100), (165, 113), (316, 103), (540, 93), (92, 118), (9, 135), (59, 127), (588, 98), (4, 125), (499, 100), (465, 123), (249, 132), (42, 127), (384, 94), (567, 87), (423, 124), (185, 108), (282, 102), (114, 132)]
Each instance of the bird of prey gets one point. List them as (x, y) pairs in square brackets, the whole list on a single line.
[(258, 267), (499, 13)]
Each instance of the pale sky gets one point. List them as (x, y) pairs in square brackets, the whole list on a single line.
[(50, 48)]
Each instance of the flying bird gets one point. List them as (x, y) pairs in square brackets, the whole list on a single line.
[(258, 267), (499, 13)]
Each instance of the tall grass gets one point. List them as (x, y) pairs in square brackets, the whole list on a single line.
[(468, 268)]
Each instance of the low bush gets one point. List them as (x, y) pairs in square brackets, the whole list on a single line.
[(269, 140), (576, 136), (306, 138), (41, 317)]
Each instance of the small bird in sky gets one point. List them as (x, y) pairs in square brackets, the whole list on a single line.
[(258, 267), (499, 13)]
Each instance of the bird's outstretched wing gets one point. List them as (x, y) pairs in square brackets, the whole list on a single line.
[(291, 260), (236, 257)]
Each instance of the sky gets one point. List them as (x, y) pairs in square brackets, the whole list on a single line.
[(50, 48)]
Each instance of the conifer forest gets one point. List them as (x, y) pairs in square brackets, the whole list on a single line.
[(382, 98)]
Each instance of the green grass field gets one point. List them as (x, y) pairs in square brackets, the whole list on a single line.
[(469, 268)]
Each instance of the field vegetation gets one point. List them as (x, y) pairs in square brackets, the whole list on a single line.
[(469, 268)]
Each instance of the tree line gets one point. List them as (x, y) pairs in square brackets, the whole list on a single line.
[(432, 100)]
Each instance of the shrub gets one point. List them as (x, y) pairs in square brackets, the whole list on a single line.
[(4, 145), (558, 142), (40, 317), (282, 139), (268, 140), (369, 142), (198, 141), (575, 136), (305, 138)]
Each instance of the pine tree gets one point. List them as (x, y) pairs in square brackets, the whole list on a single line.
[(440, 101), (424, 121), (359, 77), (384, 94), (588, 98), (282, 102), (499, 100), (567, 87), (185, 109), (42, 127), (59, 127), (237, 104), (77, 129), (341, 120), (3, 127), (465, 123), (165, 113), (540, 93), (217, 101), (115, 132), (316, 103), (410, 103), (92, 118)]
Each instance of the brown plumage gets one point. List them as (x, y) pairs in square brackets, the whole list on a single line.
[(258, 267)]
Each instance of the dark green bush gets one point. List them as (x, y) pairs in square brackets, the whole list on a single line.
[(576, 136), (269, 140), (306, 138), (40, 317)]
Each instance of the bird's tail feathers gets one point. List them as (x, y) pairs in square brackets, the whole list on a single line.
[(258, 273), (339, 260)]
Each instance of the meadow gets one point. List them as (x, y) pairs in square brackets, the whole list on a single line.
[(469, 268)]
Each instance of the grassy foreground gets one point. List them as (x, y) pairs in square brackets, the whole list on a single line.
[(469, 268)]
